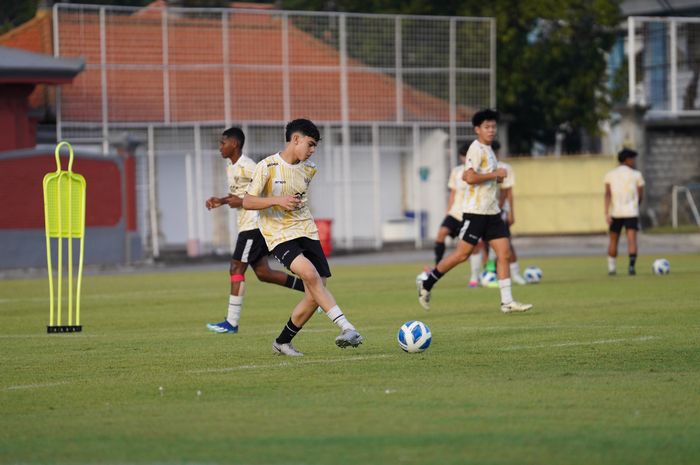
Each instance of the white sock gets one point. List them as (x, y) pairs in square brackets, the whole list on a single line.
[(235, 303), (492, 254), (506, 295), (336, 316), (476, 263), (514, 269), (612, 266)]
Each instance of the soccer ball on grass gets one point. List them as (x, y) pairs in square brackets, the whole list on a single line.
[(414, 336)]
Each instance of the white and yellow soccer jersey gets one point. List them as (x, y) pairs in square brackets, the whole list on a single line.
[(457, 184), (275, 177), (624, 183), (239, 176), (481, 199)]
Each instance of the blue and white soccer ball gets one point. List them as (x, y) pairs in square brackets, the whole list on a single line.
[(488, 279), (414, 336), (533, 274), (661, 266)]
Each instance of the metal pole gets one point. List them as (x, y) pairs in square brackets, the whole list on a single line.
[(674, 207), (453, 87), (198, 183), (415, 184), (492, 82), (166, 65), (189, 189), (286, 94), (345, 128), (57, 53), (398, 63), (227, 69), (632, 75), (376, 185), (673, 82), (152, 205), (103, 82)]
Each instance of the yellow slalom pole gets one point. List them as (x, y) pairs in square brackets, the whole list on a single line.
[(48, 253), (60, 250)]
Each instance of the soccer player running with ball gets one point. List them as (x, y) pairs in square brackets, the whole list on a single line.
[(280, 191), (624, 189), (482, 218), (250, 244)]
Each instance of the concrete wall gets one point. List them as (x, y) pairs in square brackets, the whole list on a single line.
[(672, 158)]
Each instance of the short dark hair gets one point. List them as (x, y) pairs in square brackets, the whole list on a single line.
[(624, 154), (304, 126), (486, 114), (463, 149), (495, 146), (235, 133)]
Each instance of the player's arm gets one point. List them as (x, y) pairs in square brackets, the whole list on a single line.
[(608, 200), (640, 193), (254, 199), (216, 202), (472, 177), (252, 202)]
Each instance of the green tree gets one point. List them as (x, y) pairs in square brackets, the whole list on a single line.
[(15, 12), (551, 60)]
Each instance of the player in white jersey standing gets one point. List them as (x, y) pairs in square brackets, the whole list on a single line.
[(624, 189), (482, 219), (250, 244), (280, 191), (453, 221)]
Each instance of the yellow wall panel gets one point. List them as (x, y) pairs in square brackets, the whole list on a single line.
[(560, 195)]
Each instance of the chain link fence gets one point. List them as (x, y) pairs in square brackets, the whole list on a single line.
[(393, 96), (663, 62)]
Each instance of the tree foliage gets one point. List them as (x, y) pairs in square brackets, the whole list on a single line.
[(551, 60)]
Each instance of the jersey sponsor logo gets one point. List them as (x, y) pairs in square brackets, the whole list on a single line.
[(280, 182), (274, 163)]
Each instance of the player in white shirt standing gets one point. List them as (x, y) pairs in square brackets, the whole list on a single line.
[(482, 216), (453, 220), (624, 189), (250, 244)]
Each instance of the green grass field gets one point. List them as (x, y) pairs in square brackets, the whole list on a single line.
[(603, 370)]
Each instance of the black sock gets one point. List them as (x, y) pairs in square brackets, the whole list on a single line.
[(433, 277), (288, 333), (294, 283), (633, 260), (439, 251)]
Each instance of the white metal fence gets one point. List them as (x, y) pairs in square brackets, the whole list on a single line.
[(663, 60), (392, 94)]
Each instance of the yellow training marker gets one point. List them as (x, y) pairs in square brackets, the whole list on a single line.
[(64, 217)]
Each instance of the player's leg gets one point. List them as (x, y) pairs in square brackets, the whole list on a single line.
[(613, 240), (514, 265), (442, 234), (476, 263), (498, 239), (268, 275), (631, 230), (235, 302), (470, 233), (304, 257)]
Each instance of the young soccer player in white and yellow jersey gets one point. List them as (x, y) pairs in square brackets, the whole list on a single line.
[(624, 189), (250, 244), (280, 191), (482, 218)]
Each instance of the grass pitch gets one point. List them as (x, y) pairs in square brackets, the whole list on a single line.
[(603, 370)]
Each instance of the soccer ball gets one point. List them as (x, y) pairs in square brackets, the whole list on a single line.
[(533, 274), (661, 266), (488, 278), (414, 336)]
